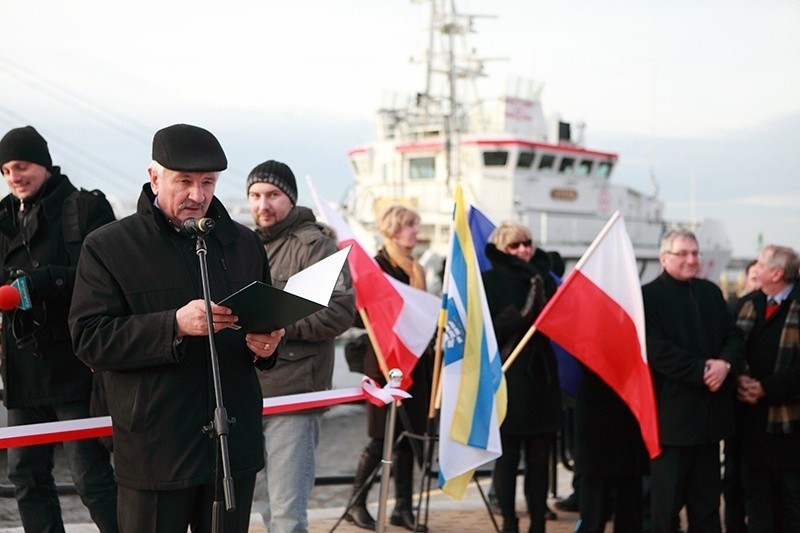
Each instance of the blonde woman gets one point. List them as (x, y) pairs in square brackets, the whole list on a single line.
[(517, 287), (399, 227)]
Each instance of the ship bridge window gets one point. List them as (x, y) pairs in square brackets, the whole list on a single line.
[(585, 167), (547, 162), (422, 168), (604, 169), (495, 159), (567, 165), (525, 159)]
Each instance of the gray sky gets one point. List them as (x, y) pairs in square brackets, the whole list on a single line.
[(703, 92)]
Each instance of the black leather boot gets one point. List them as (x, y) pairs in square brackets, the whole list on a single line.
[(358, 514), (403, 473)]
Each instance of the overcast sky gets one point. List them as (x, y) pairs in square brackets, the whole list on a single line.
[(703, 92)]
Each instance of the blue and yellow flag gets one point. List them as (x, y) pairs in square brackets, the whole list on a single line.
[(473, 386)]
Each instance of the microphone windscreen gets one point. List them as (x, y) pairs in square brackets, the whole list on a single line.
[(9, 298)]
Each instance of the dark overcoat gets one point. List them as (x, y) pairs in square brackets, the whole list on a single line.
[(415, 408), (608, 440), (132, 277), (39, 365), (781, 386), (534, 396), (686, 323)]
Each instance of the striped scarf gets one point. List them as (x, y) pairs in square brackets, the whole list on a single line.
[(783, 418)]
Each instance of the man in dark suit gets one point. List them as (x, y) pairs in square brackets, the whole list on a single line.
[(770, 392), (694, 351)]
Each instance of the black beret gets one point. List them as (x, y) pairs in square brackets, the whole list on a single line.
[(25, 144), (188, 148)]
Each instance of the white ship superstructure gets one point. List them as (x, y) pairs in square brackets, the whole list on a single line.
[(512, 163)]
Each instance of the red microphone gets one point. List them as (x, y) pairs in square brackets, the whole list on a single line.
[(9, 298)]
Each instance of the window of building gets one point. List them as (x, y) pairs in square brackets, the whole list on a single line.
[(585, 167), (422, 168), (525, 159), (495, 159), (567, 165), (604, 169), (547, 162)]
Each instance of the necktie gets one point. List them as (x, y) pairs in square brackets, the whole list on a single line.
[(772, 306)]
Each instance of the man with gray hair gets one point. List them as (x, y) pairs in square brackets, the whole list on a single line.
[(770, 392), (138, 313), (694, 351)]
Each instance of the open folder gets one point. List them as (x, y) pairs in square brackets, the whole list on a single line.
[(262, 308)]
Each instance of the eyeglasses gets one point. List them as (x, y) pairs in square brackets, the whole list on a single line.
[(683, 254), (515, 245)]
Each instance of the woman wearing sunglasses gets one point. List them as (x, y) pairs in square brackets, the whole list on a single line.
[(517, 287)]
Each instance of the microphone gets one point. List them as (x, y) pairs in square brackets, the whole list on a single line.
[(194, 226), (10, 298)]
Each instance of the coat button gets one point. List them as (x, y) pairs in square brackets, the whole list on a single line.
[(59, 282)]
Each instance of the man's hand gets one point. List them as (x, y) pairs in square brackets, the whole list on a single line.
[(715, 373), (191, 319), (749, 390), (264, 344)]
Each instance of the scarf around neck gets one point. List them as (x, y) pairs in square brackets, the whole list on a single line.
[(402, 259), (782, 418)]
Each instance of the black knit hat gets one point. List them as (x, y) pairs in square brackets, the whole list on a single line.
[(25, 144), (276, 173), (188, 149)]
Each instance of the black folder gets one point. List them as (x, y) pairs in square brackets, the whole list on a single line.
[(262, 308)]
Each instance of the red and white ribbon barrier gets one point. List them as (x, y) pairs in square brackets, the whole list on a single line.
[(89, 428)]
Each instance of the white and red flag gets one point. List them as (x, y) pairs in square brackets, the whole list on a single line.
[(403, 318), (598, 316)]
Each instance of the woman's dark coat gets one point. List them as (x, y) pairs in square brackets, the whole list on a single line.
[(534, 396), (415, 407), (133, 275)]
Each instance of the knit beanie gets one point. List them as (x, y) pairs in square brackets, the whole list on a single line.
[(276, 173), (25, 144)]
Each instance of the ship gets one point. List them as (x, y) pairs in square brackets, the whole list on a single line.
[(511, 162)]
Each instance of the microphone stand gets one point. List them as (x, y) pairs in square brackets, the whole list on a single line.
[(219, 427)]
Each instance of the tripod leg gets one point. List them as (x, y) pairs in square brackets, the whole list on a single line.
[(487, 504)]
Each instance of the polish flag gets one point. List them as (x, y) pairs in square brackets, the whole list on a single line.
[(598, 316), (403, 318)]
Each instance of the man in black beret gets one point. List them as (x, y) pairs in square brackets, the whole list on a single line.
[(138, 314), (42, 224)]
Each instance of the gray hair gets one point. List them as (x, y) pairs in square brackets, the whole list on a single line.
[(157, 168), (785, 258), (671, 235)]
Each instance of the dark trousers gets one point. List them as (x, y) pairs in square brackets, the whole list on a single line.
[(537, 452), (172, 511), (30, 469), (772, 499), (600, 497), (732, 489), (686, 475)]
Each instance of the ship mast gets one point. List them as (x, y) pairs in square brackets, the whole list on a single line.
[(452, 61)]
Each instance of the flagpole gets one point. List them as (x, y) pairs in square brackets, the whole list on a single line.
[(374, 341), (597, 240), (589, 251)]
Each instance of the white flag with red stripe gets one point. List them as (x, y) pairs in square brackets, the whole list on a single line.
[(598, 316), (403, 318)]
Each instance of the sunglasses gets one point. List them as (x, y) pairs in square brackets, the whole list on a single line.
[(515, 245)]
